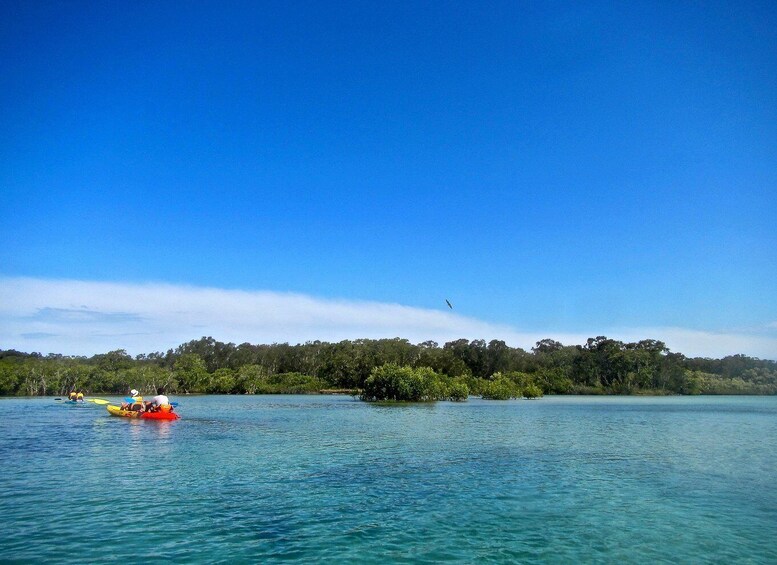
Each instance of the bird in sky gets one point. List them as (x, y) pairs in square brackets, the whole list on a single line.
[(449, 304)]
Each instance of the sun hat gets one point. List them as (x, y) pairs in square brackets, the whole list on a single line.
[(133, 392)]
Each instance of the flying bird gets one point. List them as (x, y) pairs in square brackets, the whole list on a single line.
[(449, 304)]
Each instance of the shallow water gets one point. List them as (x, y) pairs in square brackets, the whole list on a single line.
[(330, 479)]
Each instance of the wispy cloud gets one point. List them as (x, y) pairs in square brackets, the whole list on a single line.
[(38, 335), (84, 317)]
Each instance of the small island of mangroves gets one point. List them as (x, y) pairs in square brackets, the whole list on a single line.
[(393, 370)]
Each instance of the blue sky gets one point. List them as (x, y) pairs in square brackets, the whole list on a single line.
[(553, 169)]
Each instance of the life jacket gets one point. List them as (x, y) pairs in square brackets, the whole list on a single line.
[(72, 396), (80, 396)]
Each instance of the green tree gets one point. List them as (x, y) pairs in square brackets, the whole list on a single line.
[(190, 373), (337, 365), (553, 380), (213, 353), (251, 378), (223, 381), (9, 379)]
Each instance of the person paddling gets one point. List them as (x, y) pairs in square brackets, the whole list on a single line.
[(137, 402), (160, 402)]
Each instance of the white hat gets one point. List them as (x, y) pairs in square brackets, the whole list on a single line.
[(133, 392)]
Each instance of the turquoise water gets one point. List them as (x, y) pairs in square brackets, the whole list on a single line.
[(329, 479)]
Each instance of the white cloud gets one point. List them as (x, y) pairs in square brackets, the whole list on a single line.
[(81, 317), (84, 318), (698, 343)]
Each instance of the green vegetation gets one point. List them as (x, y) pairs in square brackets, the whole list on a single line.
[(406, 384), (393, 369)]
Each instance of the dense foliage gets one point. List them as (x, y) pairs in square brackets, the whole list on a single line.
[(461, 367), (403, 383)]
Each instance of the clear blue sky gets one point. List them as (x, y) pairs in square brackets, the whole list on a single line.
[(555, 166)]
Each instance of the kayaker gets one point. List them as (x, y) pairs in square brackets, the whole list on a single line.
[(160, 402), (72, 395), (137, 402), (80, 396)]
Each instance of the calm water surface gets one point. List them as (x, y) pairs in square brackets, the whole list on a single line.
[(329, 479)]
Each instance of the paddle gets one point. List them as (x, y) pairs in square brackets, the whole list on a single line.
[(98, 400)]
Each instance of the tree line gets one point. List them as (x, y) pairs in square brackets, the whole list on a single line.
[(489, 369)]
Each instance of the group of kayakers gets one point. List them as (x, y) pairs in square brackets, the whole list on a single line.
[(160, 403), (76, 396)]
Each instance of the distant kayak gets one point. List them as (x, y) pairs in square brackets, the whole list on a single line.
[(74, 403), (117, 411)]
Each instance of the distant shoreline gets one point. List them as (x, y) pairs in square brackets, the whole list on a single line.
[(458, 368)]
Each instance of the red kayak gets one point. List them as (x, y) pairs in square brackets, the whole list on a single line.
[(161, 415)]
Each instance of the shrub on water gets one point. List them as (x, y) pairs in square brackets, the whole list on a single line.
[(458, 391), (501, 388), (532, 391), (401, 383), (387, 382)]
